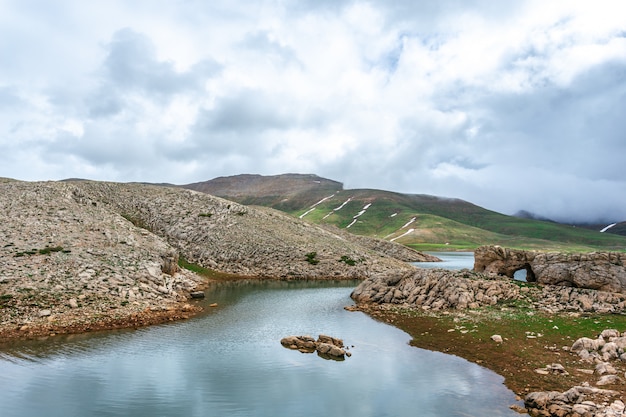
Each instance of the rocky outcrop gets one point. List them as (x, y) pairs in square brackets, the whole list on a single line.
[(63, 262), (555, 298), (439, 289), (327, 347), (607, 353), (573, 403), (435, 289), (603, 271)]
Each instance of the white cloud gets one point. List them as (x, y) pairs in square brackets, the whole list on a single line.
[(511, 106)]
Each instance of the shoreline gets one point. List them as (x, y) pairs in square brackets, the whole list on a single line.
[(523, 353), (96, 322)]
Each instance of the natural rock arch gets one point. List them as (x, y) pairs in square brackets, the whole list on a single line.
[(604, 271)]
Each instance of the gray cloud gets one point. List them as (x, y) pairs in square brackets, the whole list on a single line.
[(508, 106)]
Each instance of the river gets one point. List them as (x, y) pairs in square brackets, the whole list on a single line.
[(229, 362)]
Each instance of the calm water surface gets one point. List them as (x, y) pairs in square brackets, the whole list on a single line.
[(229, 362), (450, 260)]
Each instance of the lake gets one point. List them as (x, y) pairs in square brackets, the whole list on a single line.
[(450, 260), (229, 362)]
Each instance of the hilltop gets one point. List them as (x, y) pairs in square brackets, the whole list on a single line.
[(420, 221), (80, 255)]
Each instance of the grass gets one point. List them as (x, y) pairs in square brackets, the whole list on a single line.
[(207, 272), (311, 258)]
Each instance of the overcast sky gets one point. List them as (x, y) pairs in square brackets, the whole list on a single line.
[(508, 104)]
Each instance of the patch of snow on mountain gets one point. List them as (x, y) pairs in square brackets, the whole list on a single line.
[(408, 223), (394, 215), (402, 235), (607, 228), (348, 226), (305, 213), (362, 212), (344, 203), (322, 200)]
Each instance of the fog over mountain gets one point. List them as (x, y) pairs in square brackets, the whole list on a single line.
[(510, 106)]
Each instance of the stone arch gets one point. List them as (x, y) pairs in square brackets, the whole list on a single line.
[(530, 274)]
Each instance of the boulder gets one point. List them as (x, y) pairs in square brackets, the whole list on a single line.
[(327, 347)]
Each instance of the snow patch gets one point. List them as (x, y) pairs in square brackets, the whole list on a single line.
[(402, 235), (608, 227), (362, 212), (408, 223), (305, 213), (322, 200), (394, 215), (344, 203), (348, 226)]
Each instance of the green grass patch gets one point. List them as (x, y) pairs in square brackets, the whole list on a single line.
[(48, 250), (347, 260), (207, 272), (311, 258)]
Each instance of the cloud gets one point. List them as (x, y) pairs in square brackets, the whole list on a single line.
[(508, 106)]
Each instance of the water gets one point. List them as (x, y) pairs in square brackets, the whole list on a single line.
[(460, 260), (450, 260), (229, 362)]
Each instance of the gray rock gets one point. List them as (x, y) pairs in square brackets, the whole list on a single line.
[(327, 347), (603, 271)]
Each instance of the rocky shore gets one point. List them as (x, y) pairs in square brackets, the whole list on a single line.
[(80, 255), (594, 368)]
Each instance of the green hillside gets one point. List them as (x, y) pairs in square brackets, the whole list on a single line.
[(446, 224), (421, 221)]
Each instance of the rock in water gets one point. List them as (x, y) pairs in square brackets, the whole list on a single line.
[(327, 347)]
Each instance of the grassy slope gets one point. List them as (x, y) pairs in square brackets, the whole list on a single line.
[(445, 223)]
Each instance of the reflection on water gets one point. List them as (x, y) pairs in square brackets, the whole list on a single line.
[(229, 362), (450, 260)]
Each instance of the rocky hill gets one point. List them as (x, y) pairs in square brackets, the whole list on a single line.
[(80, 255), (283, 192)]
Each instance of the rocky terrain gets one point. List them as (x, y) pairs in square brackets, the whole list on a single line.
[(604, 271), (83, 255), (606, 355), (491, 293)]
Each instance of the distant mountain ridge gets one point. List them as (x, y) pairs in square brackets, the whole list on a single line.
[(423, 222)]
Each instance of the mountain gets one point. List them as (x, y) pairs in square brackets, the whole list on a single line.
[(420, 221), (523, 214)]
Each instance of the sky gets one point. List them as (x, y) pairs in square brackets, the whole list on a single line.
[(516, 105)]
